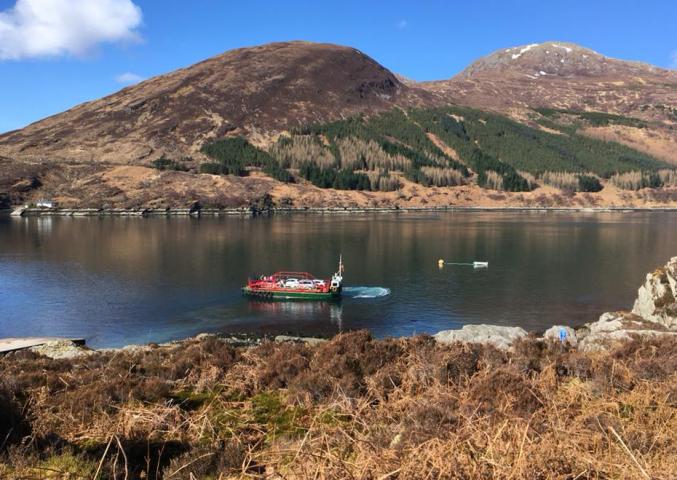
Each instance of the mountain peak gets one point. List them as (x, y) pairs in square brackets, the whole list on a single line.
[(553, 58), (269, 87)]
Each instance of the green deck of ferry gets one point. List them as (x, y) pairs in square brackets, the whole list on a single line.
[(278, 295)]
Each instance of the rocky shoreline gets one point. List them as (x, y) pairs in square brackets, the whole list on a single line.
[(249, 211), (654, 314)]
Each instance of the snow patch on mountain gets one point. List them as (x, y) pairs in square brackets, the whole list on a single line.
[(515, 56), (568, 49)]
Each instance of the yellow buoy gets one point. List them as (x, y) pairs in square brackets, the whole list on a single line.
[(440, 263)]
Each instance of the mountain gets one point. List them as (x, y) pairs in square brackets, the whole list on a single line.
[(559, 59), (310, 123), (248, 91), (563, 75)]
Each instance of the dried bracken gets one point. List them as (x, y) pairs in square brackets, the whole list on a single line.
[(353, 407)]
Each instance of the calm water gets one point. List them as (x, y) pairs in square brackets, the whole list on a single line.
[(117, 281)]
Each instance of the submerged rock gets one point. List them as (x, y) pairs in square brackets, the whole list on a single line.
[(657, 298), (498, 336)]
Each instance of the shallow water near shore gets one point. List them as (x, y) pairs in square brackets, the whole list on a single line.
[(117, 281)]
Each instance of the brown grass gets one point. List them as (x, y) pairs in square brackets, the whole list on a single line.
[(353, 407)]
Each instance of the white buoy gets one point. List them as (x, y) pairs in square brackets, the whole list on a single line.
[(475, 264)]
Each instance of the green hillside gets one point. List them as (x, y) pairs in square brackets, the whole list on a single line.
[(361, 153)]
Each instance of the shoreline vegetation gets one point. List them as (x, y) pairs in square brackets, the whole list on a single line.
[(480, 402), (351, 407)]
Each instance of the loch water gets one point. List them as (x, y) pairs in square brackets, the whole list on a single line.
[(118, 281)]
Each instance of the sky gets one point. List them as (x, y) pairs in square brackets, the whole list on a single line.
[(55, 54)]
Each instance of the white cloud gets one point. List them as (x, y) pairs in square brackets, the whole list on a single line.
[(129, 78), (45, 28), (402, 24), (673, 58)]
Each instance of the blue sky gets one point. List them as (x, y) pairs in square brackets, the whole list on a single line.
[(55, 54)]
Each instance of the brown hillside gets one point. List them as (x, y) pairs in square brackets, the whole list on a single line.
[(563, 75), (261, 91), (255, 90)]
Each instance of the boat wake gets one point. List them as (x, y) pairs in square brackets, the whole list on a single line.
[(365, 292)]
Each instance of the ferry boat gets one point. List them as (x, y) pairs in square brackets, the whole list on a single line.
[(296, 286)]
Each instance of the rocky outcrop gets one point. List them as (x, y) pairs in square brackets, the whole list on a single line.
[(498, 336), (654, 313), (616, 327), (657, 298), (307, 340), (61, 349)]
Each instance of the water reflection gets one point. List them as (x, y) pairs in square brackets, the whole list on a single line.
[(333, 311)]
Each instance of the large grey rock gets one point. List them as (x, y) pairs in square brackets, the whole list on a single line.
[(500, 337), (608, 322), (614, 328), (60, 349), (657, 298), (307, 340), (553, 333)]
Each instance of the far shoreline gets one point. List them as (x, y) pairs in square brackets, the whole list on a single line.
[(249, 212)]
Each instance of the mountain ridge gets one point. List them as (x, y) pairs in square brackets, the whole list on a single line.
[(256, 91), (267, 95)]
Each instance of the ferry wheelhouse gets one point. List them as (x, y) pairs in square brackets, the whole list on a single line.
[(295, 286)]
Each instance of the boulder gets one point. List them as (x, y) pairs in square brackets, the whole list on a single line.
[(657, 297), (61, 349), (498, 336), (608, 322), (554, 333)]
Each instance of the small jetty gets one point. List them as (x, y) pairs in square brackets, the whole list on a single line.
[(13, 344)]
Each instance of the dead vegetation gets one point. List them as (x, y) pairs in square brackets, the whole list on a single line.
[(349, 408)]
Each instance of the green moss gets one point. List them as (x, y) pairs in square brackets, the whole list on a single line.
[(89, 445), (67, 466), (226, 423), (265, 412), (268, 409), (191, 400), (332, 418)]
